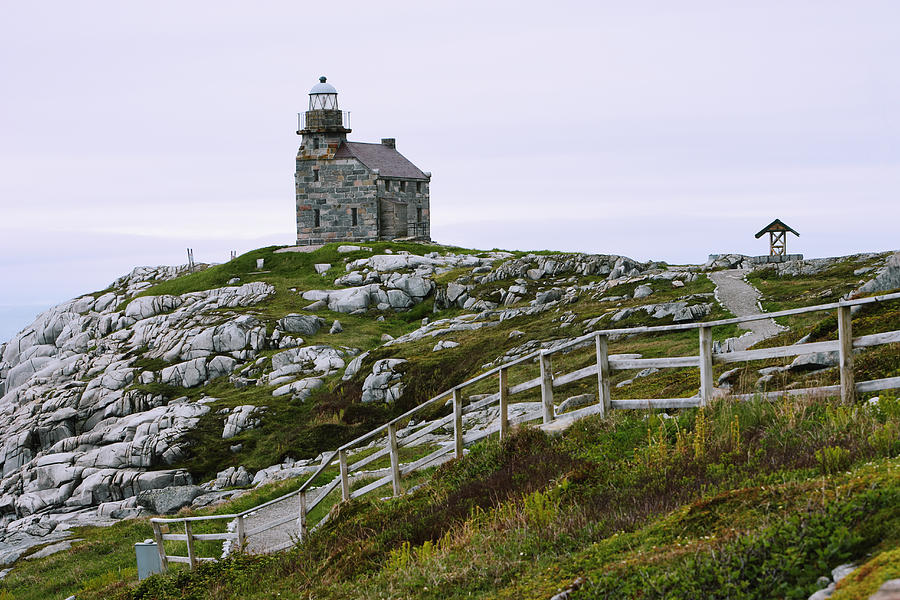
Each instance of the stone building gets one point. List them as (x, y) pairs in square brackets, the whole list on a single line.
[(354, 191)]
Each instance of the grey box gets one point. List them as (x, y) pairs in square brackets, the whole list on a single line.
[(147, 559)]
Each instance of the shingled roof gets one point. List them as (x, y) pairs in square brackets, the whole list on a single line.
[(387, 160)]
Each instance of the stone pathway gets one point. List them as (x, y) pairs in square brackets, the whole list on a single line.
[(742, 299)]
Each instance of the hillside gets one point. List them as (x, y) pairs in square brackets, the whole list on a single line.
[(238, 376)]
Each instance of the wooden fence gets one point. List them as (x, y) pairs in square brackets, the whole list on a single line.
[(308, 497)]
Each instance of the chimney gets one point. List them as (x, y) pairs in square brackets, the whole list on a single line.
[(389, 142)]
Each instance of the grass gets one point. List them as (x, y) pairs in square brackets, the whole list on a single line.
[(730, 501)]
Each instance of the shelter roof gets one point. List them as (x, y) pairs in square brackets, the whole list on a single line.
[(776, 225)]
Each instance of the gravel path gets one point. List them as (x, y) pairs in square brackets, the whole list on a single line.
[(742, 299)]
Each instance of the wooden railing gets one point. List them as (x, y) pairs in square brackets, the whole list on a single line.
[(308, 498)]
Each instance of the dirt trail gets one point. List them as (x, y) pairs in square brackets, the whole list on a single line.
[(742, 299)]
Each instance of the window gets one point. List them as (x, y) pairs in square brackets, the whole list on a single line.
[(315, 143), (353, 216), (387, 185), (402, 186), (419, 215), (317, 218), (419, 187), (315, 174)]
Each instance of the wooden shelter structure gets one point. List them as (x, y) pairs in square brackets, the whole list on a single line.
[(777, 237)]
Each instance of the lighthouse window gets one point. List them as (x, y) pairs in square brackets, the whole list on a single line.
[(419, 187), (315, 143), (353, 216), (316, 175), (402, 186), (387, 185), (317, 218)]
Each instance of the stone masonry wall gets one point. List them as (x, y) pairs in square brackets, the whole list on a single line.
[(342, 185), (415, 196)]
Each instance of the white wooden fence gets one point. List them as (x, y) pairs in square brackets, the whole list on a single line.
[(309, 498)]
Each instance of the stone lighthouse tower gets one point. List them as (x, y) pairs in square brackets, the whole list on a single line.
[(354, 191)]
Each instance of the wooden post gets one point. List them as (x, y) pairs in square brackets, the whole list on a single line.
[(241, 533), (301, 521), (603, 374), (504, 404), (192, 558), (706, 372), (158, 536), (395, 458), (457, 423), (845, 355), (345, 476), (546, 387)]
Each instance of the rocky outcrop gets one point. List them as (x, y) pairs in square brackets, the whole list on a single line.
[(384, 383)]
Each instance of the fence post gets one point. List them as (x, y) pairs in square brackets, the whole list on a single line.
[(395, 457), (546, 387), (845, 354), (457, 423), (504, 404), (345, 476), (603, 374), (192, 558), (301, 521), (241, 533), (706, 372), (158, 536)]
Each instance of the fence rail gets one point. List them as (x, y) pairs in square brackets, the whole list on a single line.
[(602, 368)]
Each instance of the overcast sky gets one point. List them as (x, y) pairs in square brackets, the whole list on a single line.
[(666, 130)]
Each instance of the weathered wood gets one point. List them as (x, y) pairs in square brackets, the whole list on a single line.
[(372, 486), (180, 559), (504, 403), (877, 385), (622, 364), (776, 352), (603, 394), (876, 339), (425, 460), (345, 476), (189, 538), (706, 372), (525, 386), (200, 537), (457, 423), (845, 354), (546, 387), (322, 493), (368, 459), (647, 403), (395, 459), (160, 546), (301, 519), (241, 533)]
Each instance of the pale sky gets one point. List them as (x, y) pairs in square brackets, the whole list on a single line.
[(665, 130)]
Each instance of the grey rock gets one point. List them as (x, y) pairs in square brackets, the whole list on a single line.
[(317, 305), (241, 419), (574, 402), (841, 571), (889, 590), (642, 291), (302, 324), (534, 274), (444, 344), (321, 268), (823, 593), (550, 295), (817, 360), (336, 327), (168, 500), (888, 277), (52, 549), (383, 384)]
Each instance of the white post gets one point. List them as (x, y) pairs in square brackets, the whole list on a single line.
[(603, 374), (457, 423), (706, 372), (345, 476), (192, 558), (158, 536), (301, 522), (845, 355), (395, 458), (546, 387), (241, 533), (504, 404)]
